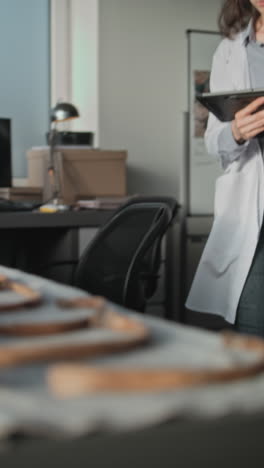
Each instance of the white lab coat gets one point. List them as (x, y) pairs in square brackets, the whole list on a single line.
[(238, 204)]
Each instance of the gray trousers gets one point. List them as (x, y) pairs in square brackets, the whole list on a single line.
[(250, 311)]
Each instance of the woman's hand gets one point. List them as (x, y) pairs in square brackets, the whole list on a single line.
[(248, 122)]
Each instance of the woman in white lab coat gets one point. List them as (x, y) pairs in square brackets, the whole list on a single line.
[(230, 277)]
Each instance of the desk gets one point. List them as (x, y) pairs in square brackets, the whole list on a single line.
[(232, 442), (217, 426), (46, 243), (50, 244), (66, 219)]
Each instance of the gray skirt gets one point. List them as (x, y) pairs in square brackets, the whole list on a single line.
[(250, 311)]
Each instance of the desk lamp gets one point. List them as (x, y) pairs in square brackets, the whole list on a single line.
[(62, 112)]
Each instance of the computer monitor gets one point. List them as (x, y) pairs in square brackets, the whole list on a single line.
[(5, 153)]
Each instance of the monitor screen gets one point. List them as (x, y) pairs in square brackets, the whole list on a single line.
[(5, 153)]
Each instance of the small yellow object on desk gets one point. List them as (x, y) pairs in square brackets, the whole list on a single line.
[(52, 208)]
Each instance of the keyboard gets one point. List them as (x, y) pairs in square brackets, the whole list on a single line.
[(11, 205)]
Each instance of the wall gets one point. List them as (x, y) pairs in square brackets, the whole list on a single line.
[(24, 64), (143, 85)]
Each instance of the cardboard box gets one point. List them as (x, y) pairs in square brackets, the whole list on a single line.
[(30, 194), (82, 172)]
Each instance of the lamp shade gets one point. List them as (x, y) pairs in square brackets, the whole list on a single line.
[(63, 111)]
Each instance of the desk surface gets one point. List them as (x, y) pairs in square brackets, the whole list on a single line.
[(25, 219), (27, 404), (233, 442)]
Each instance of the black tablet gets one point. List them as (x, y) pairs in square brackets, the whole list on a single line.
[(225, 105)]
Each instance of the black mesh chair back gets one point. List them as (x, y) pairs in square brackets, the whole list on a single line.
[(122, 261)]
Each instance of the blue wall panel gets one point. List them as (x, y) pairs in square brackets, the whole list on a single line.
[(24, 75)]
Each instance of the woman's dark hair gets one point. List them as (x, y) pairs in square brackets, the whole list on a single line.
[(234, 16)]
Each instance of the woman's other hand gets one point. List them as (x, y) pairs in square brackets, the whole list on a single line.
[(248, 122)]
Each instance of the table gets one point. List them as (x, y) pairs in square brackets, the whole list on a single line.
[(50, 245), (231, 442), (46, 243), (65, 219), (211, 426)]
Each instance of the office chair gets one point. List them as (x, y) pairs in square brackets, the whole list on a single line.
[(122, 261)]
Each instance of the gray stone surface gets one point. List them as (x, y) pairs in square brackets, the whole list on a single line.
[(27, 404)]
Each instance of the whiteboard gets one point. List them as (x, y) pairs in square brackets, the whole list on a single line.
[(203, 169)]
